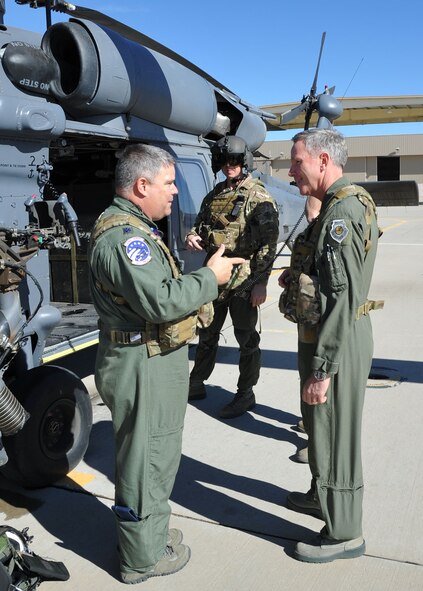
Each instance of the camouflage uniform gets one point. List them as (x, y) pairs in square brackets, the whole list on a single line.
[(245, 219), (341, 345), (134, 289)]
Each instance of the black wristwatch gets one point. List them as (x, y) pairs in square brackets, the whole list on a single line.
[(319, 375)]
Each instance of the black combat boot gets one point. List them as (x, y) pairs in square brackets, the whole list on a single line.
[(243, 400), (197, 391)]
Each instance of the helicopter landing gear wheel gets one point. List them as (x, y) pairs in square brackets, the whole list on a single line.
[(55, 437)]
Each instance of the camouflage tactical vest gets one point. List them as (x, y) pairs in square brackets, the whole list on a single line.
[(158, 337), (300, 301), (228, 215), (226, 223)]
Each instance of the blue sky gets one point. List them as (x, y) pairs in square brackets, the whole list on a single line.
[(268, 53)]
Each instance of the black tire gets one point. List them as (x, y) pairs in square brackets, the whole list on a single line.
[(55, 437)]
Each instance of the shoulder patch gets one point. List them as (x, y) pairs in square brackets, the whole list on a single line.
[(339, 230), (137, 251)]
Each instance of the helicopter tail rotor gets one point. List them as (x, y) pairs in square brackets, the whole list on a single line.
[(325, 104)]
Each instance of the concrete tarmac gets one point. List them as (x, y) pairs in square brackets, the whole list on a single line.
[(229, 497)]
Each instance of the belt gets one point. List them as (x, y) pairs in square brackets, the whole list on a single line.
[(123, 337)]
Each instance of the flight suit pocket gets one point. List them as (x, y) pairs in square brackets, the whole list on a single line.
[(165, 453), (335, 268)]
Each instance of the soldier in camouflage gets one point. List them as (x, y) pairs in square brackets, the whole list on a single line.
[(240, 214), (329, 281)]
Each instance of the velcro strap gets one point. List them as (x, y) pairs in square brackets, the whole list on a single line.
[(365, 308)]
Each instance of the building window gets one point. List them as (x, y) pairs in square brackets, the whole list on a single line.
[(388, 168)]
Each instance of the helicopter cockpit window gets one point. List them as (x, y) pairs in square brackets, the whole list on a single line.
[(192, 188)]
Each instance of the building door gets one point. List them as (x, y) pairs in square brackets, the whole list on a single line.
[(388, 168)]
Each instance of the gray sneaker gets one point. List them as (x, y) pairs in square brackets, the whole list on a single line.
[(243, 400), (304, 503), (173, 560), (300, 426), (301, 456), (197, 391), (174, 536), (326, 550)]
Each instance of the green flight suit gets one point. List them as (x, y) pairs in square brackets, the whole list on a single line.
[(131, 281), (343, 348)]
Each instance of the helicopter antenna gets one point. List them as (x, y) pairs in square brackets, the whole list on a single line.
[(311, 98), (353, 76)]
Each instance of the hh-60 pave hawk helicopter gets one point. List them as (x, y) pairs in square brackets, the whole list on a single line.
[(70, 100)]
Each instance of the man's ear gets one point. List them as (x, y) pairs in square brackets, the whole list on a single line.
[(141, 185), (324, 158)]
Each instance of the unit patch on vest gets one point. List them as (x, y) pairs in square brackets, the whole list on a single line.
[(339, 230), (137, 251)]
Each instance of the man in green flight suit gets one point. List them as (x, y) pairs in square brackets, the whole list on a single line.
[(329, 281), (241, 214), (147, 314)]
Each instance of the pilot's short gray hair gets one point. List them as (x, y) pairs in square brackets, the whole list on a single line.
[(140, 160), (331, 141)]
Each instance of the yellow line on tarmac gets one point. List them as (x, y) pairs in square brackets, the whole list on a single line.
[(80, 478), (400, 223)]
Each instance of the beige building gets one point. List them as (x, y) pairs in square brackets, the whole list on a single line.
[(380, 158)]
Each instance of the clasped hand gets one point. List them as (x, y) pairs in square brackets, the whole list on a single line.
[(314, 391)]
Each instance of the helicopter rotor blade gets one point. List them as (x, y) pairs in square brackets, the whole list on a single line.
[(314, 85), (293, 113), (312, 97)]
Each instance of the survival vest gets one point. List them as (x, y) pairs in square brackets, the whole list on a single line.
[(300, 301), (158, 337), (22, 569)]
